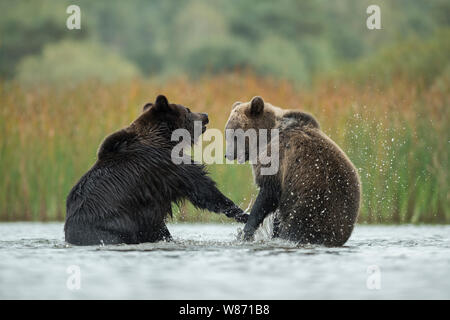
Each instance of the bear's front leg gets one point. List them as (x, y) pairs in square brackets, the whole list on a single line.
[(204, 194), (210, 198), (237, 213), (266, 202)]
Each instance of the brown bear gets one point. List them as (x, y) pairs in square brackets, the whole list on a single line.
[(315, 193), (128, 193)]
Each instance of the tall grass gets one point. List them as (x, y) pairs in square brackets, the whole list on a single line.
[(398, 138)]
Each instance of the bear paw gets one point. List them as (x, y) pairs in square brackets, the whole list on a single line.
[(237, 214), (244, 236)]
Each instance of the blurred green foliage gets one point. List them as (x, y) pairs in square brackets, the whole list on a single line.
[(70, 61), (288, 38), (415, 59)]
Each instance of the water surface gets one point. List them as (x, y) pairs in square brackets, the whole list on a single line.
[(207, 262)]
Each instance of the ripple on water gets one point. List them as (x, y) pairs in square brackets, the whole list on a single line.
[(207, 262)]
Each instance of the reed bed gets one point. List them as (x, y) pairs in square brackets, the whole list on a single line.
[(397, 136)]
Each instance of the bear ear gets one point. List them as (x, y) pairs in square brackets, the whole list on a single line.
[(147, 106), (256, 106), (161, 104), (236, 104)]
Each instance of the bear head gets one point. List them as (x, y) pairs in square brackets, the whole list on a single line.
[(247, 116), (167, 117), (257, 115)]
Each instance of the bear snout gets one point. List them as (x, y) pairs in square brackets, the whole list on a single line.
[(205, 119)]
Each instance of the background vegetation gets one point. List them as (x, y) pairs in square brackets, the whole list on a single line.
[(382, 95)]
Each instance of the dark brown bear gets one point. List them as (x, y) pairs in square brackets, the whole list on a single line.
[(128, 193), (315, 193)]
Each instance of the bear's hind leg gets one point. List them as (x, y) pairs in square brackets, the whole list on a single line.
[(276, 225), (83, 235), (164, 234), (156, 234)]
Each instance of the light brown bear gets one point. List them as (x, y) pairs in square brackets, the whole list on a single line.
[(315, 193)]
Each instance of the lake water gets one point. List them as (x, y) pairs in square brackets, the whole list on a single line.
[(206, 262)]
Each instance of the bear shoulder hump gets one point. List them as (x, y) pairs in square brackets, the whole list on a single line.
[(301, 118), (116, 143)]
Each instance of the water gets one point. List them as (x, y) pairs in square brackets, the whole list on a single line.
[(206, 262)]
